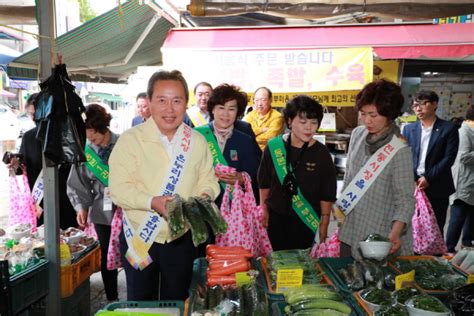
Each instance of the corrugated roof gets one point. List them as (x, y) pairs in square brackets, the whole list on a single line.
[(96, 50)]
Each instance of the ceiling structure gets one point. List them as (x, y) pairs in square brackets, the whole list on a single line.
[(106, 48)]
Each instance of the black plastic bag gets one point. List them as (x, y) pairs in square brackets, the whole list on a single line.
[(61, 128)]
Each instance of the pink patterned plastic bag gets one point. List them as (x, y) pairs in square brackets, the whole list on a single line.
[(328, 249), (89, 230), (427, 238), (22, 205), (113, 254), (244, 220)]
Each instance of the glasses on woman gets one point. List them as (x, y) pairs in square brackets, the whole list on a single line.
[(421, 104)]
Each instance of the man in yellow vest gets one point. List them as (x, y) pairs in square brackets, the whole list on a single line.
[(266, 122)]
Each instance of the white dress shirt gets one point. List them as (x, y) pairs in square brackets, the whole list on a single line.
[(424, 142)]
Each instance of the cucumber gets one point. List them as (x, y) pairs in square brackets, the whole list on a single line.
[(311, 295), (175, 215), (321, 304), (211, 215), (320, 312), (193, 218)]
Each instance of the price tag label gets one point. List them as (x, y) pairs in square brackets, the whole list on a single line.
[(242, 278), (289, 278), (470, 279), (404, 279)]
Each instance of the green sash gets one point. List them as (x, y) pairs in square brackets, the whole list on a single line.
[(96, 166), (217, 156), (300, 205)]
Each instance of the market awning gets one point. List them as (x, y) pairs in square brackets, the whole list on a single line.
[(107, 48), (407, 41)]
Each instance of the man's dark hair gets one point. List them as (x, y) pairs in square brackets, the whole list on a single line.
[(266, 89), (427, 95), (303, 105), (97, 118), (202, 83), (163, 75), (385, 95), (141, 95), (225, 93), (470, 113)]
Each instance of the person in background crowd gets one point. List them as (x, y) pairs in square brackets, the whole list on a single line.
[(148, 165), (296, 164), (27, 119), (457, 121), (30, 106), (88, 190), (143, 109), (31, 150), (462, 201), (434, 144), (239, 150), (387, 206), (265, 121), (198, 115)]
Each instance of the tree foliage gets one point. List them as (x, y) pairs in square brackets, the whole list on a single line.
[(85, 11)]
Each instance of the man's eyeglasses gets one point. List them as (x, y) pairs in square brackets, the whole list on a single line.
[(421, 104)]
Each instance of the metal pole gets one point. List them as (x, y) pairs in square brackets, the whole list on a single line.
[(46, 14)]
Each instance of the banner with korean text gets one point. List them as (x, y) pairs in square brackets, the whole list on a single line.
[(304, 70)]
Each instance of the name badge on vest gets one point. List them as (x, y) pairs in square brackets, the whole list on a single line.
[(107, 206)]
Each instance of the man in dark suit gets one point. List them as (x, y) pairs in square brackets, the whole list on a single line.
[(142, 108), (434, 144)]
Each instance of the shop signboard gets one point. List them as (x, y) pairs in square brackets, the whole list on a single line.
[(454, 19), (292, 71)]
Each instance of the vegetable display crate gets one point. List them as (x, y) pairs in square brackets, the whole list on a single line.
[(29, 286), (330, 266), (266, 280), (110, 309), (200, 278), (278, 309), (77, 304), (75, 274), (441, 294)]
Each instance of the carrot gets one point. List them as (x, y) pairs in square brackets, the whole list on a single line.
[(220, 280), (218, 263), (238, 266), (229, 256), (212, 248)]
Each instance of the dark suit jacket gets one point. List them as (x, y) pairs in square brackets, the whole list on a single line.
[(442, 151), (137, 120), (31, 150), (241, 153)]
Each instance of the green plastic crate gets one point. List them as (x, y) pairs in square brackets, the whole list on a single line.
[(110, 309), (29, 286)]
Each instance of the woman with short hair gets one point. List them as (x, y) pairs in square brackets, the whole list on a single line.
[(87, 188), (297, 179), (387, 206)]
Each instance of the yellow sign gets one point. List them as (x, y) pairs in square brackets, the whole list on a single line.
[(289, 278), (470, 279), (401, 279), (242, 278), (294, 70), (387, 69)]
